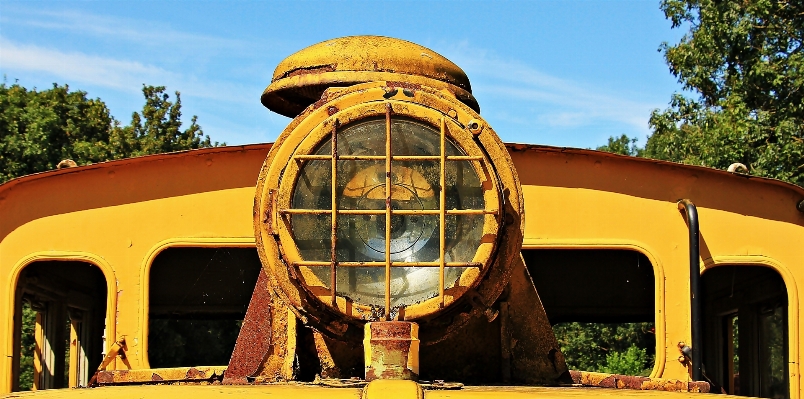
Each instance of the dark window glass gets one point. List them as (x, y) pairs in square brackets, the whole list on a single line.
[(601, 304), (198, 299)]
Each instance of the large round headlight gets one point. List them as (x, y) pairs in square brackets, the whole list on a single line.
[(387, 203), (360, 189)]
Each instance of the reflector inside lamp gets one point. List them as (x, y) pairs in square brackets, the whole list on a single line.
[(361, 185)]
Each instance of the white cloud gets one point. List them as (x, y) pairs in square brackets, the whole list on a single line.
[(141, 32), (79, 67), (122, 75), (550, 100)]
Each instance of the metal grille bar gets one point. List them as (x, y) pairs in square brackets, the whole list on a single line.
[(442, 212), (313, 263), (333, 280), (382, 211), (388, 190), (325, 157)]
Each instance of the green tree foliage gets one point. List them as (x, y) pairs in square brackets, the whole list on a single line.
[(38, 129), (620, 348), (744, 61), (158, 128), (27, 347), (634, 361), (622, 145)]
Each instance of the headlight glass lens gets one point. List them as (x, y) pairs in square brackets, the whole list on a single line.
[(361, 185)]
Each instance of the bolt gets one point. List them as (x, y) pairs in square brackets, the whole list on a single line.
[(800, 206), (475, 126), (390, 92)]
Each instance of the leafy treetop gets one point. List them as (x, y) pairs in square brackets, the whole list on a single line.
[(38, 129), (744, 61)]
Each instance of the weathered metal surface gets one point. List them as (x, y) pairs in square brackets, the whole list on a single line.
[(313, 302), (392, 350), (265, 347), (471, 355), (604, 380), (535, 357), (437, 385), (254, 339), (354, 382), (440, 385), (117, 348), (197, 375), (520, 344), (302, 78)]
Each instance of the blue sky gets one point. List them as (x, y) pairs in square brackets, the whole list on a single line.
[(564, 73)]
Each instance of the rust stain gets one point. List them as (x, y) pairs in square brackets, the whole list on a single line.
[(105, 377), (194, 374), (254, 339), (616, 381), (177, 375), (390, 346), (404, 85), (313, 70)]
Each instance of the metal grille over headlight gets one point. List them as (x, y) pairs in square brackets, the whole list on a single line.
[(366, 240), (385, 204)]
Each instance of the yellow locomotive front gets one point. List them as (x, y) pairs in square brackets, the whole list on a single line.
[(389, 255), (389, 213)]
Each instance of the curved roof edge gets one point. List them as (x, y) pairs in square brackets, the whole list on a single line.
[(127, 161), (514, 147)]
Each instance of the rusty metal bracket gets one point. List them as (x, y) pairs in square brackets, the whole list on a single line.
[(438, 385), (340, 382), (266, 345), (117, 348), (476, 300), (616, 381), (177, 375)]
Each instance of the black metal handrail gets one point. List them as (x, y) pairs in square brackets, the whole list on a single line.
[(695, 287)]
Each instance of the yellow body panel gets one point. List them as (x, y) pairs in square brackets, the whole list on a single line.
[(586, 199), (120, 215)]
